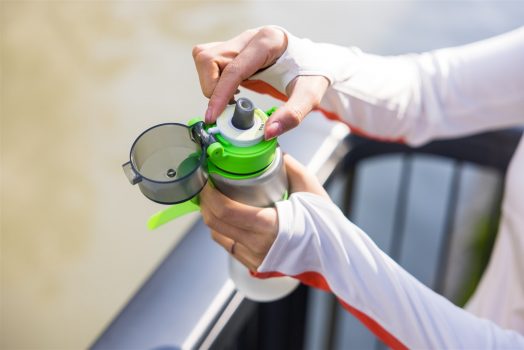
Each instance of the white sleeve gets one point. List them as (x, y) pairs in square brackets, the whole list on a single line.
[(414, 97), (317, 244)]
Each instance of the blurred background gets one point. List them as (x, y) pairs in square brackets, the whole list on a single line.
[(80, 80)]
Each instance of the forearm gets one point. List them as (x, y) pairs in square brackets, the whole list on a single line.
[(417, 97), (320, 246)]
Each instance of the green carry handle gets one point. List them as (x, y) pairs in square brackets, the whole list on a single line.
[(172, 213)]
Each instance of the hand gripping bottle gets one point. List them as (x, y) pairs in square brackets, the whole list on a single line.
[(171, 163)]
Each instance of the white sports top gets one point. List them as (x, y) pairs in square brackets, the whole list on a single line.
[(411, 98)]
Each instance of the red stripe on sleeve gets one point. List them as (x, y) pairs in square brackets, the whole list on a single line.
[(386, 337), (264, 88), (315, 279)]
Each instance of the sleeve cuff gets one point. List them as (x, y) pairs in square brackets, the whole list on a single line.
[(305, 57), (285, 232), (295, 249)]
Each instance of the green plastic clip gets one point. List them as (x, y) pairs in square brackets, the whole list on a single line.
[(271, 111), (172, 213)]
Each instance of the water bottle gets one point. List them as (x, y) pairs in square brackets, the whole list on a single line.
[(172, 162)]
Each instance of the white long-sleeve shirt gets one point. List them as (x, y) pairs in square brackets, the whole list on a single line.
[(411, 98)]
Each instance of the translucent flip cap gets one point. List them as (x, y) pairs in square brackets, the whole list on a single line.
[(166, 164)]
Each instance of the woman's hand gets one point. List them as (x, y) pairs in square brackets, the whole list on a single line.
[(223, 66), (249, 232)]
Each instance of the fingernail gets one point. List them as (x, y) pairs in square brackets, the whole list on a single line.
[(273, 130), (208, 115)]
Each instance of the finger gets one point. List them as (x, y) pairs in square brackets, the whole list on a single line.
[(197, 49), (242, 216), (300, 179), (211, 58), (207, 65), (260, 52), (208, 73), (305, 94), (257, 233), (240, 252), (232, 232), (238, 70)]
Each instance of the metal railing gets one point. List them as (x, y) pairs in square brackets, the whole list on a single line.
[(489, 152), (189, 301)]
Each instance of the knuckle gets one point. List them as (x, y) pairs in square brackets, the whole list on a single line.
[(223, 211), (207, 220), (315, 100), (207, 90), (196, 50), (295, 116), (202, 57), (269, 39), (267, 47), (268, 32), (234, 70), (214, 236)]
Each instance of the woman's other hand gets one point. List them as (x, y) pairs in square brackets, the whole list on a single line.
[(223, 66), (251, 230)]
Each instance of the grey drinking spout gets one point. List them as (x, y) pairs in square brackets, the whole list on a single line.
[(244, 115)]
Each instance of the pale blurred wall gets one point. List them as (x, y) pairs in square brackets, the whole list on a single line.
[(79, 81)]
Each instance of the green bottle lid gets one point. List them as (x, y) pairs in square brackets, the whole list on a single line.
[(228, 159)]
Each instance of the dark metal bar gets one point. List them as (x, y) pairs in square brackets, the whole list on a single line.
[(225, 330), (399, 223), (449, 224), (491, 149), (334, 310)]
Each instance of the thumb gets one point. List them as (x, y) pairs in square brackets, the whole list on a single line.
[(300, 179), (305, 94)]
